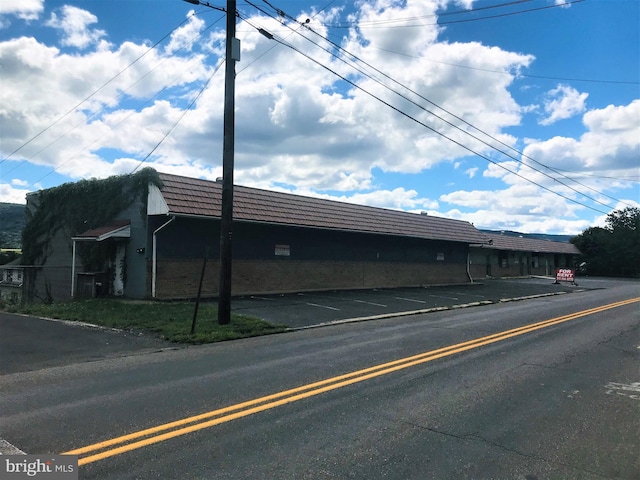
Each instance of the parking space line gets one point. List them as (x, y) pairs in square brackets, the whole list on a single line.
[(369, 303), (410, 300), (447, 298), (323, 306)]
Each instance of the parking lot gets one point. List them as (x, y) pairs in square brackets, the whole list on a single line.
[(304, 310)]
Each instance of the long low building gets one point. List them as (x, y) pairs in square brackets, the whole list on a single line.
[(286, 243), (515, 256), (165, 237)]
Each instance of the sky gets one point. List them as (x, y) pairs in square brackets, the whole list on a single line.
[(513, 115)]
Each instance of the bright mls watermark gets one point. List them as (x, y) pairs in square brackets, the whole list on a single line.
[(49, 467)]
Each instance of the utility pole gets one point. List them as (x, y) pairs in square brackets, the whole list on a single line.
[(226, 219), (226, 214)]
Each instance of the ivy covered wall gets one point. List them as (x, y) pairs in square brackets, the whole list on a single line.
[(74, 208), (55, 215)]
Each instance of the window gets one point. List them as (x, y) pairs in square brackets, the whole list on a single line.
[(12, 276)]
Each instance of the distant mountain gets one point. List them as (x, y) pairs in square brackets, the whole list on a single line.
[(539, 236), (11, 224)]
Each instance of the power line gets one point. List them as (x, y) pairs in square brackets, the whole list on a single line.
[(396, 109), (520, 74), (435, 15), (386, 23), (73, 109), (280, 12), (84, 121), (186, 110)]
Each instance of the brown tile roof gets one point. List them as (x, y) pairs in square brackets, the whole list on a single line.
[(190, 196), (508, 242)]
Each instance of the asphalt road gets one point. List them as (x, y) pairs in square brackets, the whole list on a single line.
[(28, 343), (556, 401)]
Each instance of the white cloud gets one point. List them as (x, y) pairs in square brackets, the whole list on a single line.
[(11, 194), (58, 81), (396, 199), (563, 102), (184, 37), (524, 207), (471, 171), (609, 147), (597, 162), (299, 127), (74, 23), (23, 9), (296, 123)]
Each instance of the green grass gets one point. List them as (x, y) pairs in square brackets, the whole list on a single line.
[(171, 321)]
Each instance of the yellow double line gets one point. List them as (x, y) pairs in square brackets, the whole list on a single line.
[(143, 438)]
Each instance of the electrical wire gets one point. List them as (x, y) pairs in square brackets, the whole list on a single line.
[(410, 117), (282, 42), (281, 13), (520, 74), (120, 95), (94, 93), (386, 23), (186, 110), (435, 15)]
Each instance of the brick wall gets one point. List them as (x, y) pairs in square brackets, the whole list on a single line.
[(179, 278)]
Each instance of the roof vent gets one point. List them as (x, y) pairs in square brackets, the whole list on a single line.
[(424, 213), (219, 180)]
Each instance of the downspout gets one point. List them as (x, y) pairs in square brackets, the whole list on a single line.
[(473, 245), (154, 261), (73, 271)]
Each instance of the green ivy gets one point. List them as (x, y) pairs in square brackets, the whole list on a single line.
[(74, 208)]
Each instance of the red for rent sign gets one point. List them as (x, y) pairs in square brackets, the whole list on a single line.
[(565, 275)]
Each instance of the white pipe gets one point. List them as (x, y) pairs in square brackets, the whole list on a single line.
[(154, 260), (73, 271)]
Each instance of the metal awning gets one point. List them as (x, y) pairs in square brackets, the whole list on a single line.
[(115, 229)]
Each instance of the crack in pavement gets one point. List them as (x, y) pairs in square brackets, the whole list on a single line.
[(475, 436)]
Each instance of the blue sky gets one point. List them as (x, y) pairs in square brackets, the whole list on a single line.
[(511, 115)]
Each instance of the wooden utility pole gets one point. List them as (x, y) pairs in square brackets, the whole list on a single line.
[(226, 219), (226, 214)]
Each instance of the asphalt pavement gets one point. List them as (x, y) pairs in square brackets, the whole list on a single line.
[(314, 309), (444, 395), (29, 343)]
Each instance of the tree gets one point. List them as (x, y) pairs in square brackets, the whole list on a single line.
[(625, 238), (615, 249)]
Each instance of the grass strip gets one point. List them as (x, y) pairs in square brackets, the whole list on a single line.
[(170, 321)]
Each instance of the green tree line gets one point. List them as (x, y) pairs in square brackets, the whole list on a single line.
[(615, 249)]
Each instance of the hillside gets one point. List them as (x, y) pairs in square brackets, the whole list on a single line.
[(538, 236), (11, 224)]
